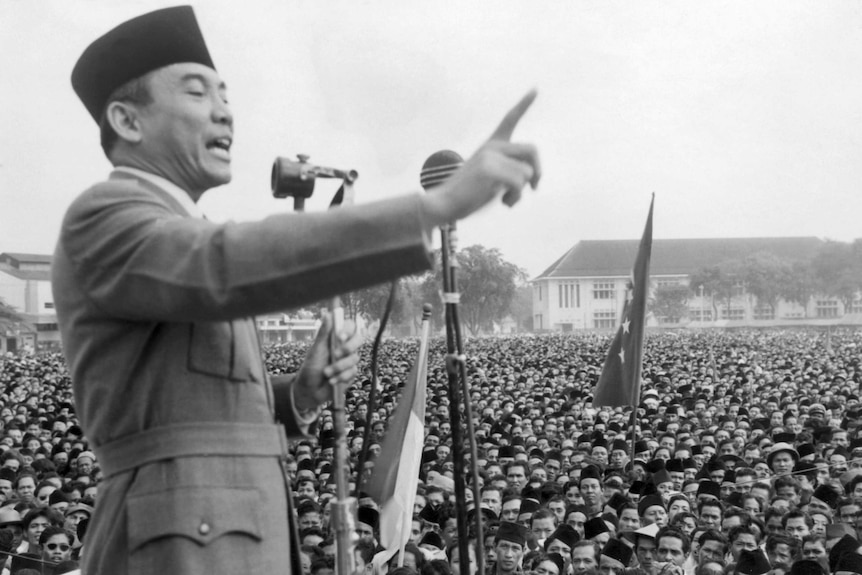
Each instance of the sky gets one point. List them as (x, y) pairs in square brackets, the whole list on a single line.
[(744, 118)]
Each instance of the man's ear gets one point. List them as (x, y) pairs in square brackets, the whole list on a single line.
[(124, 119)]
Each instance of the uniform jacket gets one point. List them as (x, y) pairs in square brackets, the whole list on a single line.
[(155, 311)]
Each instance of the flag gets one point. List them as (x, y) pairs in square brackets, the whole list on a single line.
[(619, 383), (395, 476)]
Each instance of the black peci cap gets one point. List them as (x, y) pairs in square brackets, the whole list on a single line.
[(134, 48)]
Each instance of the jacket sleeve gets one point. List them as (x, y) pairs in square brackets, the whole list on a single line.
[(296, 424), (139, 260)]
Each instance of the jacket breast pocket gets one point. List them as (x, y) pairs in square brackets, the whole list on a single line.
[(225, 350), (180, 530)]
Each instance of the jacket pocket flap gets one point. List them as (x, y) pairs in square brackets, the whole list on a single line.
[(201, 514)]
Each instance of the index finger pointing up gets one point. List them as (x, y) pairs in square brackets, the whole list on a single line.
[(507, 126)]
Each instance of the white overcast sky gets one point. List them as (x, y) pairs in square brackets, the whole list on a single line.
[(744, 118)]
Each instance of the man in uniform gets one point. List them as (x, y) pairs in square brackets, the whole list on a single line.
[(156, 306)]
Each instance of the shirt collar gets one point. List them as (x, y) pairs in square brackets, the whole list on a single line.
[(171, 188)]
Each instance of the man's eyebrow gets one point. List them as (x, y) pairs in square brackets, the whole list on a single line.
[(202, 78)]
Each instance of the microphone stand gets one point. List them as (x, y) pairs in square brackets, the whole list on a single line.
[(459, 392), (296, 180), (345, 507)]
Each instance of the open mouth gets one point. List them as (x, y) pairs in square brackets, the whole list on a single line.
[(220, 145)]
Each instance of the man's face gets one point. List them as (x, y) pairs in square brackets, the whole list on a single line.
[(26, 488), (557, 546), (629, 520), (306, 490), (584, 560), (492, 500), (646, 553), (57, 548), (509, 555), (591, 489), (186, 131), (711, 550), (543, 527), (782, 554), (516, 477), (710, 517), (364, 532), (510, 510), (17, 534), (670, 550), (743, 542), (796, 527), (85, 465), (310, 519), (814, 550)]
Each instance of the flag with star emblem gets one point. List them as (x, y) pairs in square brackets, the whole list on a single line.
[(619, 384)]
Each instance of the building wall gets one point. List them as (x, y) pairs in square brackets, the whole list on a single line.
[(13, 291), (596, 303)]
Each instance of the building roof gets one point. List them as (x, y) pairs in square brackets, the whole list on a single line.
[(600, 258), (37, 275), (20, 258)]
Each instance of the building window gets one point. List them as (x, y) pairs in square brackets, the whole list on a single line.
[(734, 313), (539, 291), (667, 283), (826, 308), (856, 306), (695, 314), (569, 295), (604, 319), (49, 305), (763, 312), (46, 327), (603, 290), (738, 288)]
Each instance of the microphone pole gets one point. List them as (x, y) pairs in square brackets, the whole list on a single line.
[(295, 179), (437, 169)]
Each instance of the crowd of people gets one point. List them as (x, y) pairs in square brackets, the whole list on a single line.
[(744, 456)]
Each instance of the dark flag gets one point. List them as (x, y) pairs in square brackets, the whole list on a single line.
[(619, 384)]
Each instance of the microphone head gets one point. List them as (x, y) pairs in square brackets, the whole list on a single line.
[(438, 168)]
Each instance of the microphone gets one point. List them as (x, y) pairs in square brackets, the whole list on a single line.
[(295, 179), (291, 178), (438, 168)]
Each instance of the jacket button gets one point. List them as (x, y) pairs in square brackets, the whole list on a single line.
[(204, 528)]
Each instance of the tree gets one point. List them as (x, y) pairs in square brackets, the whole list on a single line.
[(764, 275), (838, 269), (522, 307), (370, 302), (9, 312), (487, 284), (670, 302), (801, 284)]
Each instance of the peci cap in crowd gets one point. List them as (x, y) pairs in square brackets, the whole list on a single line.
[(369, 516), (514, 532), (564, 533), (617, 550), (849, 563), (752, 563), (807, 567), (134, 48)]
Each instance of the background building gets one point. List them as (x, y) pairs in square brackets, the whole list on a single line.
[(25, 286), (585, 287)]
